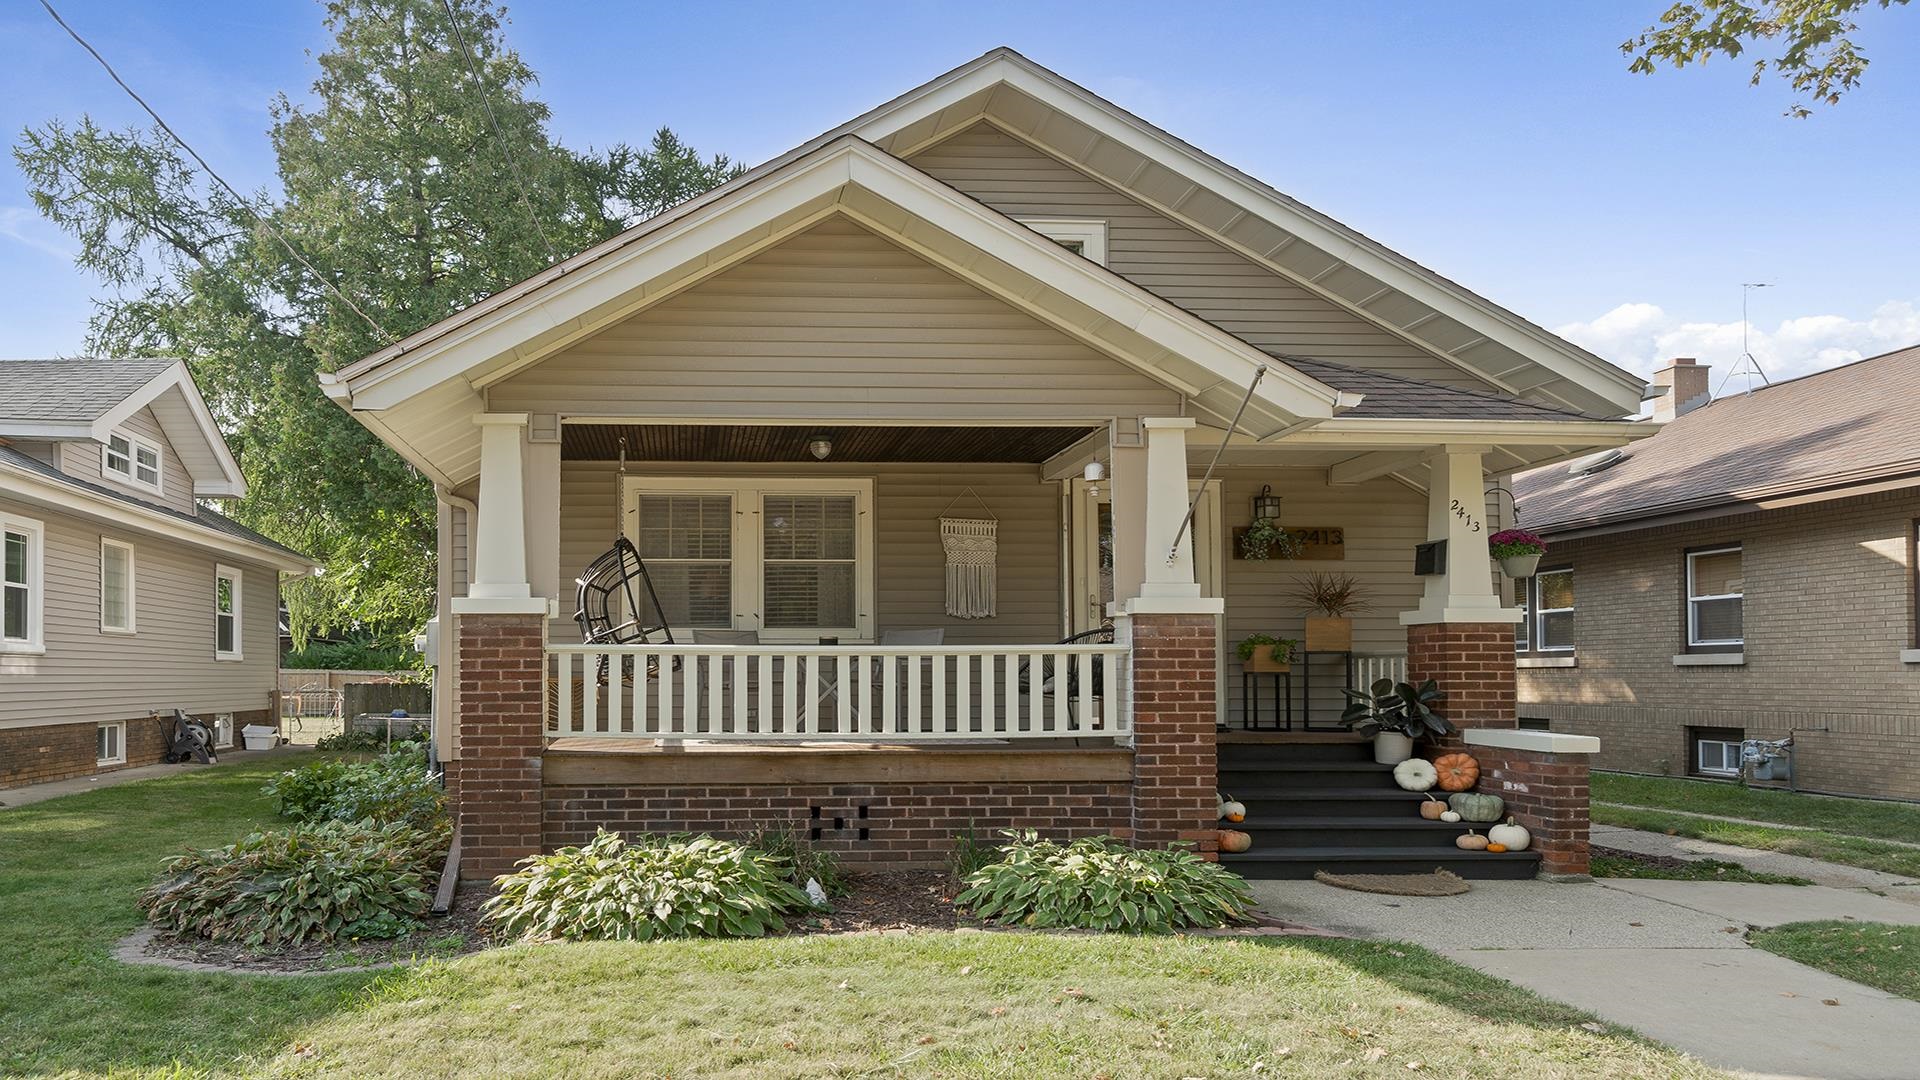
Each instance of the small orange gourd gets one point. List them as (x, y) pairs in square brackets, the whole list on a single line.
[(1496, 847), (1458, 772)]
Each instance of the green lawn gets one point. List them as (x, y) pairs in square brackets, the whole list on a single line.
[(1887, 957), (1852, 817), (1811, 843), (963, 1005)]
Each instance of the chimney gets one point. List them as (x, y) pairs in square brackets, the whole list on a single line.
[(1686, 383)]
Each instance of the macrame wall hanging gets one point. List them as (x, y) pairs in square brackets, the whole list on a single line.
[(972, 548)]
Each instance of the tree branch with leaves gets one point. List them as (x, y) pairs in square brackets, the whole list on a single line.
[(1816, 52)]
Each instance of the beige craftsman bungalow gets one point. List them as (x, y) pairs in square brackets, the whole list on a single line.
[(933, 435)]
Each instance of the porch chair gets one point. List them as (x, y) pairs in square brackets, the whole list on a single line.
[(1050, 682), (609, 611)]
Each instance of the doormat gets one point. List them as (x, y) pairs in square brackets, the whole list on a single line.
[(1438, 883)]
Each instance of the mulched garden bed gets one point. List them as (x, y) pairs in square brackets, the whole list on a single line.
[(1663, 862), (891, 900), (457, 933)]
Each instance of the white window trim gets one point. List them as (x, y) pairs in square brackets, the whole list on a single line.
[(1700, 766), (238, 651), (1089, 233), (36, 534), (223, 730), (131, 477), (119, 728), (747, 493), (1536, 634), (1693, 635), (132, 616)]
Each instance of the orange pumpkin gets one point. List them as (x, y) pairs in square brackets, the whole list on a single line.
[(1458, 772), (1496, 847), (1233, 841)]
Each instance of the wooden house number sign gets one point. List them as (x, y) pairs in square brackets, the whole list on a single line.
[(1327, 542)]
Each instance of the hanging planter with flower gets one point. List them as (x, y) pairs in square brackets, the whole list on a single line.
[(1518, 550)]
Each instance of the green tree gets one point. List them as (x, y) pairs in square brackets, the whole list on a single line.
[(400, 181), (1816, 53)]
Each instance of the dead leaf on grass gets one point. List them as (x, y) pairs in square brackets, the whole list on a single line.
[(997, 1010), (1416, 1066), (305, 1050), (1597, 1029), (1375, 1053)]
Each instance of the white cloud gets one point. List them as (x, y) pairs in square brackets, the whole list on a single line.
[(1642, 337), (24, 225)]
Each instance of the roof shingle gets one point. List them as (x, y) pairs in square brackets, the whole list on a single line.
[(70, 391), (1397, 397)]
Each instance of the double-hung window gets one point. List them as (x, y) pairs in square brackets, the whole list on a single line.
[(1716, 587), (133, 459), (792, 559), (116, 586), (226, 614), (22, 596), (1546, 602)]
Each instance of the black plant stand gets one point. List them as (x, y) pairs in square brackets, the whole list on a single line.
[(1282, 700), (1304, 660)]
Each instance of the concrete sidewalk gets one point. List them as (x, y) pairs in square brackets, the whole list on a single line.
[(1771, 862), (35, 793), (1667, 958)]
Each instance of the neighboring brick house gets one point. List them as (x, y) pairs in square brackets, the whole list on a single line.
[(122, 596), (1747, 573)]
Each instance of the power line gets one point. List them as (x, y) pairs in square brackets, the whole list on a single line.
[(506, 152), (191, 152)]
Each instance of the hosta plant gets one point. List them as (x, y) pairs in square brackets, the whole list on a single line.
[(307, 883), (653, 887), (1097, 883)]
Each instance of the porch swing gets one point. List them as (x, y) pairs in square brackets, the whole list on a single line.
[(608, 605)]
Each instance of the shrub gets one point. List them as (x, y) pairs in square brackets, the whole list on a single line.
[(654, 887), (1098, 884), (394, 787), (803, 860), (307, 883), (969, 854), (375, 741)]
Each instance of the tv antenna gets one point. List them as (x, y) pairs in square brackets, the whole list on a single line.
[(1748, 364)]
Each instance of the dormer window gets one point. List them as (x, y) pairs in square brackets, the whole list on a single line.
[(133, 459), (1083, 236)]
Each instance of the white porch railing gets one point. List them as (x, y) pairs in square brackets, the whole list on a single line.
[(1369, 669), (847, 693)]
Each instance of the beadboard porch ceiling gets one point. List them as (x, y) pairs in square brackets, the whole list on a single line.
[(774, 443)]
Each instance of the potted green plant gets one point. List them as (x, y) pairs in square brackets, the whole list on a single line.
[(1395, 714), (1331, 601), (1266, 538), (1518, 550), (1267, 655)]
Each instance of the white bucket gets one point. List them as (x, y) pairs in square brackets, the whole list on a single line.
[(259, 737)]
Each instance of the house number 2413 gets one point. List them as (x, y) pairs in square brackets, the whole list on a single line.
[(1463, 514)]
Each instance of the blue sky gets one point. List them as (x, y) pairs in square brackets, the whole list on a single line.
[(1503, 144)]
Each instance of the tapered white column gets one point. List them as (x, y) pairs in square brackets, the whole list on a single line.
[(500, 531), (1457, 513), (1169, 569)]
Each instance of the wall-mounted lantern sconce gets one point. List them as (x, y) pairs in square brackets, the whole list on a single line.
[(1266, 505)]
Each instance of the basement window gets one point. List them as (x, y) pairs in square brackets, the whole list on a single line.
[(1083, 236), (110, 744), (1715, 751)]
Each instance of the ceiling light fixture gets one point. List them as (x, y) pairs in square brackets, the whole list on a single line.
[(820, 446)]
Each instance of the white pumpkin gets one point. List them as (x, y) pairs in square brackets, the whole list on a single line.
[(1450, 816), (1415, 774), (1231, 810), (1512, 834)]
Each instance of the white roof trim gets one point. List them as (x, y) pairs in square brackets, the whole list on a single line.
[(229, 483), (489, 346), (1003, 65)]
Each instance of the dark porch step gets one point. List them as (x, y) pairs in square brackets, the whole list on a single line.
[(1265, 801), (1295, 833), (1241, 753), (1300, 774), (1506, 865)]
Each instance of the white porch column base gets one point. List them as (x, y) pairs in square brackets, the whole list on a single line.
[(1168, 605), (500, 533), (1167, 502), (505, 605)]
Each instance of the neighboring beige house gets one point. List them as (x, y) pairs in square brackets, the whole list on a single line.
[(1747, 573), (122, 596), (995, 298)]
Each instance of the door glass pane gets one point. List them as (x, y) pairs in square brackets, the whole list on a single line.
[(808, 547), (1716, 620), (687, 542), (1717, 574), (1106, 556)]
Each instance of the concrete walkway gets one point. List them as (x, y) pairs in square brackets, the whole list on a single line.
[(34, 793), (1748, 821), (1771, 862), (1667, 958)]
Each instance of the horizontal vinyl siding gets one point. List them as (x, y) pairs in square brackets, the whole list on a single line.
[(1173, 261), (835, 323), (910, 572), (86, 674), (81, 458)]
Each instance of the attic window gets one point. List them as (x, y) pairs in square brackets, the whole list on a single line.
[(133, 459), (1082, 236)]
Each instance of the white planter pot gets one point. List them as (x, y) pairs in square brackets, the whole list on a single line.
[(1391, 747), (1519, 566)]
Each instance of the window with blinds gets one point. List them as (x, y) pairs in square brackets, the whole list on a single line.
[(807, 561), (687, 542), (1716, 588)]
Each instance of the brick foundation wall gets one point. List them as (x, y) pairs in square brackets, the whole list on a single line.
[(1176, 778), (898, 826), (1547, 793), (38, 755), (494, 784)]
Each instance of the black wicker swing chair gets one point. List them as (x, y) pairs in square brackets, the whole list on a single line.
[(1051, 682), (612, 600)]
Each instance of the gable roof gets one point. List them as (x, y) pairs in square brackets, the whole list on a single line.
[(274, 551), (86, 398), (1388, 396), (1823, 435), (1189, 185)]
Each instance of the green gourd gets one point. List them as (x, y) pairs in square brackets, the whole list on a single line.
[(1476, 806)]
